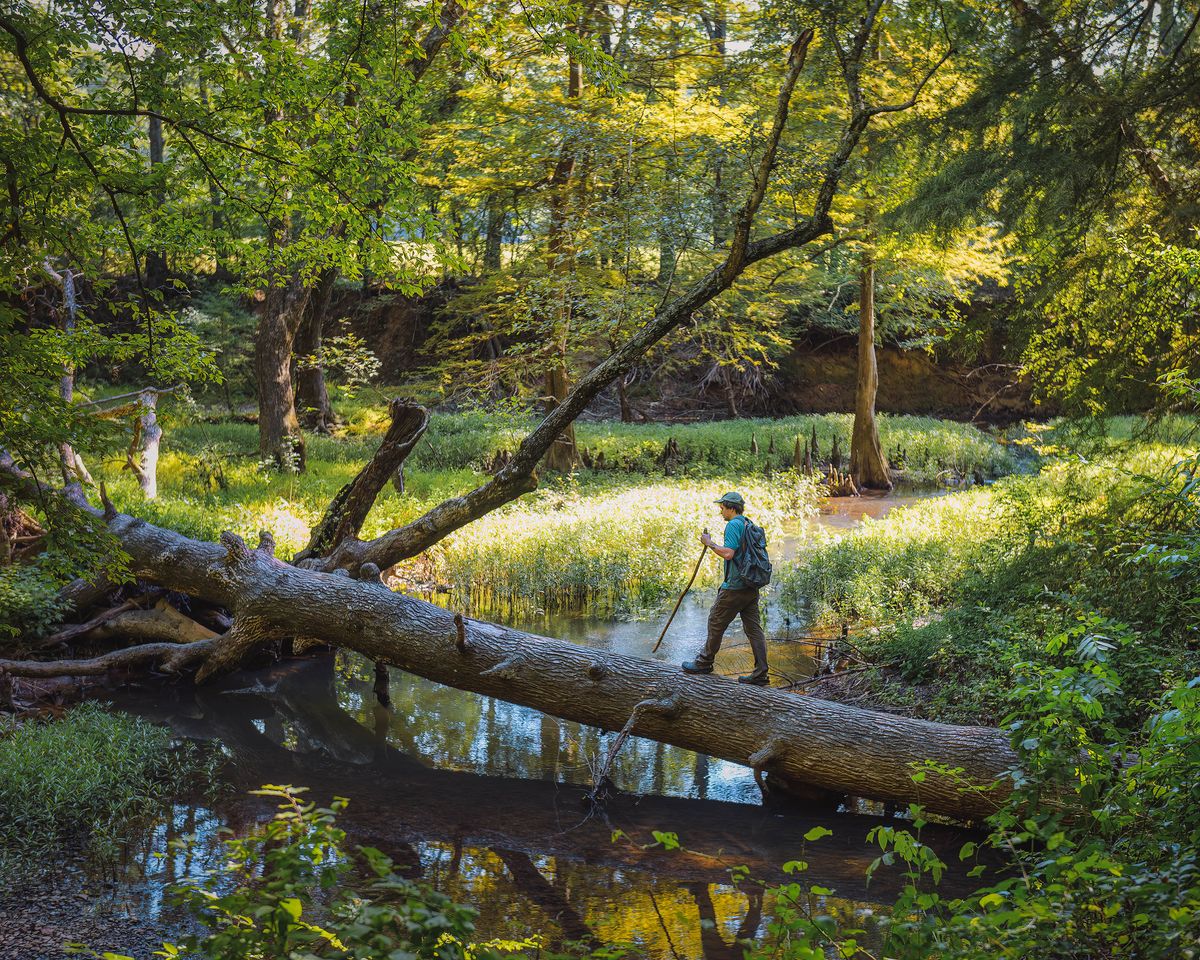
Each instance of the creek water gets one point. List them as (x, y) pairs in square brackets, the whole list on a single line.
[(485, 799)]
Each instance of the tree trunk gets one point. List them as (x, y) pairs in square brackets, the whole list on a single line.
[(494, 238), (216, 210), (156, 261), (729, 394), (560, 260), (70, 462), (868, 466), (148, 437), (623, 400), (563, 453), (279, 436), (797, 738), (312, 396), (718, 28)]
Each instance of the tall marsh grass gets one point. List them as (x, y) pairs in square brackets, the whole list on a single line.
[(620, 538), (1030, 529), (611, 550), (932, 449), (210, 478)]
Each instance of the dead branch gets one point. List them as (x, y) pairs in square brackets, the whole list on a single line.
[(74, 630), (348, 511), (171, 657)]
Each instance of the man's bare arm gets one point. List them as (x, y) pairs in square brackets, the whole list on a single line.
[(725, 553)]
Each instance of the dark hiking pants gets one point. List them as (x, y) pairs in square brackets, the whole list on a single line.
[(729, 604)]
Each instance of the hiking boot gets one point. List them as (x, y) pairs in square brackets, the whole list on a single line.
[(762, 681), (692, 666)]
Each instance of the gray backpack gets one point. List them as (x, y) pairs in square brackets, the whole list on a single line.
[(751, 560)]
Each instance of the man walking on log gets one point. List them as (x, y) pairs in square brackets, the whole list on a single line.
[(746, 571)]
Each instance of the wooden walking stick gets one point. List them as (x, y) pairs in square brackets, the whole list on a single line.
[(703, 551)]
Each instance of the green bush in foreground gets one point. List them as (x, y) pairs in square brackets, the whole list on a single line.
[(285, 891), (29, 603), (86, 775), (1102, 856)]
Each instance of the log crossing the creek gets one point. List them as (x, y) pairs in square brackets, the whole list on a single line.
[(801, 740)]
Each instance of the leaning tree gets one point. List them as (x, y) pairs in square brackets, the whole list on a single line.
[(331, 593)]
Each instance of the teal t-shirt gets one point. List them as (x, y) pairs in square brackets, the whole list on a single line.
[(734, 530)]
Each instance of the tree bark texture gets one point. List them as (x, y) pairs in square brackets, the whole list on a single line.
[(868, 466), (312, 396), (279, 436)]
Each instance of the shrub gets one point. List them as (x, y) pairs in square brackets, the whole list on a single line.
[(88, 774), (29, 603), (283, 891)]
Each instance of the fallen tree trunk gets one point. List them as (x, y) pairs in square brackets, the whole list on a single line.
[(799, 739)]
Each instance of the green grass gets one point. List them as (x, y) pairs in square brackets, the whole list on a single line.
[(199, 456), (919, 558), (929, 449), (905, 564), (614, 548), (965, 590), (88, 775)]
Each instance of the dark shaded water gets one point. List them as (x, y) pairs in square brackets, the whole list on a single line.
[(485, 798)]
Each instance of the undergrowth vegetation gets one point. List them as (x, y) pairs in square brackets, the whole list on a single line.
[(86, 777), (295, 888), (1100, 857)]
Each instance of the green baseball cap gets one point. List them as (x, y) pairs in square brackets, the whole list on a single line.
[(732, 499)]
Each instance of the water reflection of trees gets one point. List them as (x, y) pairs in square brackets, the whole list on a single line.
[(525, 852), (453, 729)]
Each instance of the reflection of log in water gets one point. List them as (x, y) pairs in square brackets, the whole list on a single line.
[(395, 800)]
